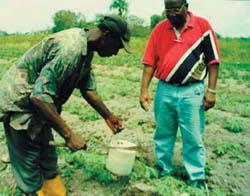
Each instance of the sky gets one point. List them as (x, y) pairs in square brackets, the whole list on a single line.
[(229, 18)]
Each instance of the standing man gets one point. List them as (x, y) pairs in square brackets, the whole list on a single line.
[(180, 52), (34, 90)]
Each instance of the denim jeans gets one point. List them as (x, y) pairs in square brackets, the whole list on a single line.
[(180, 107)]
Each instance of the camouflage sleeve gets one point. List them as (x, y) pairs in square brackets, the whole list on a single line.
[(88, 83), (50, 80)]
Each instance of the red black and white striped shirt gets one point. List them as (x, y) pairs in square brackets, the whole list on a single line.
[(177, 58)]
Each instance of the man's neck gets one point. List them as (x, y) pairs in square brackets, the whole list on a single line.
[(180, 29), (93, 34), (92, 38)]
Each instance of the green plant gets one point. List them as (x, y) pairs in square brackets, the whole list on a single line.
[(92, 165), (6, 191), (224, 148), (67, 172), (218, 192), (233, 125), (142, 171), (83, 111), (244, 110), (170, 186), (210, 118), (3, 68)]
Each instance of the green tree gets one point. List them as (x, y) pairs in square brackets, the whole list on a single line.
[(121, 5), (99, 17), (65, 19), (81, 20), (155, 19)]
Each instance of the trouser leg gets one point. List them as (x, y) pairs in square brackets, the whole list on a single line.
[(48, 162), (191, 122), (166, 128), (26, 155)]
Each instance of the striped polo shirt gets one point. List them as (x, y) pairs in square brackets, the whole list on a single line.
[(179, 57)]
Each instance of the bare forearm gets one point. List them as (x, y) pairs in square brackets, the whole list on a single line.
[(210, 96), (50, 113), (95, 101), (147, 75), (213, 71)]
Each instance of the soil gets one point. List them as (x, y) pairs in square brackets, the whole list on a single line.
[(225, 172)]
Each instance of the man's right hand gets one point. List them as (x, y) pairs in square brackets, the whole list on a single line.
[(145, 100), (50, 113), (75, 142)]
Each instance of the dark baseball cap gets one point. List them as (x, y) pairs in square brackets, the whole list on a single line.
[(118, 25)]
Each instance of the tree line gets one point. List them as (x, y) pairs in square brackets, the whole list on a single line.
[(65, 19)]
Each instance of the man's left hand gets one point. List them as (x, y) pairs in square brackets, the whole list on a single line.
[(209, 100), (115, 124)]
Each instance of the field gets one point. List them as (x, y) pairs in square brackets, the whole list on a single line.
[(118, 82)]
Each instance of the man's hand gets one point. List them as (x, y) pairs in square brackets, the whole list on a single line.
[(209, 100), (145, 100), (75, 142), (115, 124)]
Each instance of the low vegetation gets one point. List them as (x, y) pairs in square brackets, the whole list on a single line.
[(118, 79)]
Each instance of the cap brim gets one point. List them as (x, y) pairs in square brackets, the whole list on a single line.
[(126, 46)]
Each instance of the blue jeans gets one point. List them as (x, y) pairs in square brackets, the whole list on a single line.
[(180, 107)]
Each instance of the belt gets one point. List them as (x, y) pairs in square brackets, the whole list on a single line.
[(188, 83)]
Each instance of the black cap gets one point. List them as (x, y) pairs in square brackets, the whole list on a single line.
[(117, 24)]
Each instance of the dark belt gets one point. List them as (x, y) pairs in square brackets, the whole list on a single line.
[(188, 83)]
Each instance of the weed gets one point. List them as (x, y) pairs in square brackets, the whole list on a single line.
[(6, 191), (233, 125), (224, 148), (210, 118), (244, 110), (218, 192), (84, 111), (3, 68), (93, 165), (142, 171), (67, 172)]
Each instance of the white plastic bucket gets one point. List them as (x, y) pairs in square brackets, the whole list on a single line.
[(120, 161)]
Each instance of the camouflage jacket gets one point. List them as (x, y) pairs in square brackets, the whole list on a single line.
[(49, 71)]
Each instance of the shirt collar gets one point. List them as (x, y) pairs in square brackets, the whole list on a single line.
[(191, 20)]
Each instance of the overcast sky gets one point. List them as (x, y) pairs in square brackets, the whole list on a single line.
[(230, 18)]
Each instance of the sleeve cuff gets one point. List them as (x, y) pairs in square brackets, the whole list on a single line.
[(44, 98)]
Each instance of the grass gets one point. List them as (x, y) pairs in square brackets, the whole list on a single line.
[(7, 191), (235, 66), (235, 50), (84, 111)]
